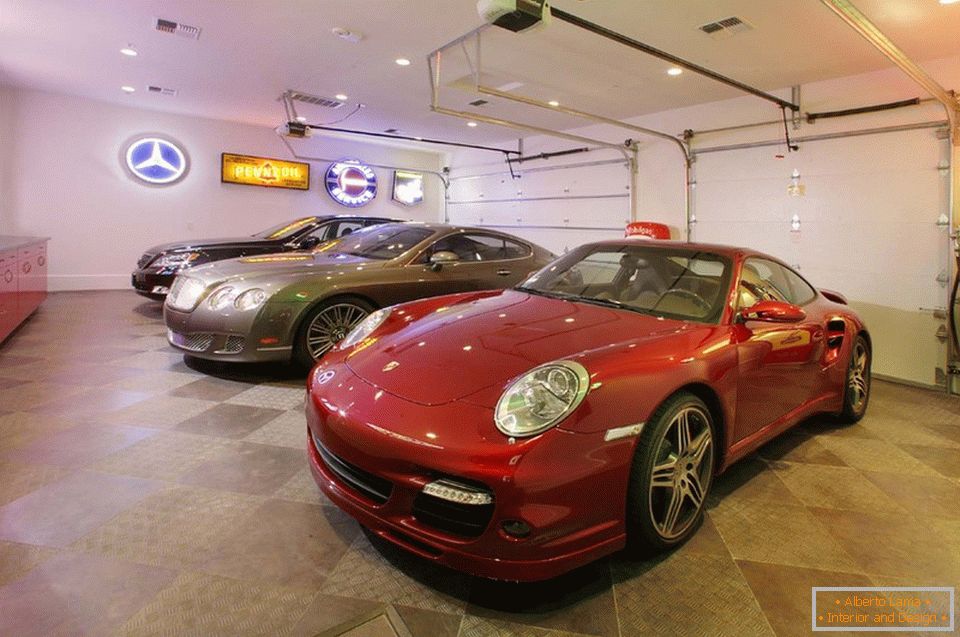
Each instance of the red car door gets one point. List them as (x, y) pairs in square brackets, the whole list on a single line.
[(779, 363)]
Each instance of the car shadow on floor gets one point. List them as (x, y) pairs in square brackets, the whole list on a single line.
[(252, 373), (151, 310)]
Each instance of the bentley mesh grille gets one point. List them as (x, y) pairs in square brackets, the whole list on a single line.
[(234, 345), (198, 342)]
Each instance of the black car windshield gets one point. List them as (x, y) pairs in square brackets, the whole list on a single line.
[(284, 230), (668, 281), (379, 242)]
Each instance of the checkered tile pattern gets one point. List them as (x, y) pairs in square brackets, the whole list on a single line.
[(145, 494)]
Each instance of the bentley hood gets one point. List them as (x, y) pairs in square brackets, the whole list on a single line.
[(435, 353), (280, 267)]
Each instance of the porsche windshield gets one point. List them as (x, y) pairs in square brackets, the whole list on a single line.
[(382, 242), (283, 230), (663, 281)]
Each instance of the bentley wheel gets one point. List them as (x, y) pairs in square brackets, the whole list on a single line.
[(671, 475), (326, 325), (857, 392)]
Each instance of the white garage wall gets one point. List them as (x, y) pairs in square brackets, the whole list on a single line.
[(868, 220), (63, 178)]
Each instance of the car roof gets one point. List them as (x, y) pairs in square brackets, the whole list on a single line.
[(716, 248)]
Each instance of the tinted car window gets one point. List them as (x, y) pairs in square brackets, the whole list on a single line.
[(286, 229), (478, 247), (667, 282), (380, 242), (763, 280)]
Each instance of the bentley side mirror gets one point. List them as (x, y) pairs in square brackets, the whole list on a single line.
[(773, 312), (442, 257), (309, 243)]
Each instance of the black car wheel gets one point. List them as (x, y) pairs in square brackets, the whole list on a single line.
[(857, 392), (671, 474), (326, 325)]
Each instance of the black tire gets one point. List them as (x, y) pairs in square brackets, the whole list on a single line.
[(856, 390), (342, 314), (650, 500)]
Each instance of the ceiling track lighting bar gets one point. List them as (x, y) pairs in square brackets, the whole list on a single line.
[(569, 18)]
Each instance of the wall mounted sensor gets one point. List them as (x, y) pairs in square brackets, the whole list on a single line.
[(514, 15), (295, 129)]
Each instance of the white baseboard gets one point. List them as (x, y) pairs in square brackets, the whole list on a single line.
[(71, 282)]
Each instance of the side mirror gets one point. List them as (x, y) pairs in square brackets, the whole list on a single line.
[(773, 312), (442, 257), (309, 243)]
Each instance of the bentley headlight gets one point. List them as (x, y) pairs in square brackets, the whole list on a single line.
[(185, 293), (541, 398), (176, 260), (365, 328), (250, 300), (221, 298)]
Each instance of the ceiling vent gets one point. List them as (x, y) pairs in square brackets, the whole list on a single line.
[(183, 30), (478, 102), (162, 91), (726, 27), (306, 98), (391, 130)]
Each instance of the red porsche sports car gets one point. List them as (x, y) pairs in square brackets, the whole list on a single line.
[(519, 434)]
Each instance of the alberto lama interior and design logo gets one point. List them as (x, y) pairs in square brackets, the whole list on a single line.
[(351, 183), (155, 160)]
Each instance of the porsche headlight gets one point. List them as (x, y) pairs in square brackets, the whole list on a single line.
[(176, 259), (221, 298), (250, 300), (541, 398), (365, 328)]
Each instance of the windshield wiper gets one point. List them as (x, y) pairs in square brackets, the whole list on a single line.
[(549, 294)]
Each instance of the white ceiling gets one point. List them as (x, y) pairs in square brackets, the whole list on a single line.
[(249, 52)]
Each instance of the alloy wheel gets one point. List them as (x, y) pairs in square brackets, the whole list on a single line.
[(331, 325), (859, 377), (681, 473)]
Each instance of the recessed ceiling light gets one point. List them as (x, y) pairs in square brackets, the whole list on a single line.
[(553, 103), (301, 118), (472, 124), (127, 89), (419, 139), (129, 51), (341, 97), (402, 61), (674, 71)]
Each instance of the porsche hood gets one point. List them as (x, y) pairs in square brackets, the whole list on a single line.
[(454, 351)]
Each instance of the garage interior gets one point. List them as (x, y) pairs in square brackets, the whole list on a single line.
[(147, 492)]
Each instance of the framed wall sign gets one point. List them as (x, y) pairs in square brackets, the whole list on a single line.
[(351, 183), (407, 187), (263, 171)]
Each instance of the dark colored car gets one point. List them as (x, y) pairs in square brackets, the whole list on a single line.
[(519, 434), (299, 305), (159, 265)]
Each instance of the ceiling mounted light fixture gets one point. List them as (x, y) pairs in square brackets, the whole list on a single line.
[(472, 124), (341, 97), (402, 62), (127, 89), (949, 1), (553, 103), (301, 118), (674, 71), (129, 51)]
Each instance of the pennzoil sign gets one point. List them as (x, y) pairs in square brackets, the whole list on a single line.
[(263, 171)]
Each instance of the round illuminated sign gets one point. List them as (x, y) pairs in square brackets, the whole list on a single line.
[(351, 183), (156, 161)]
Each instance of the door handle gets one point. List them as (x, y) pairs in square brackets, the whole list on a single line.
[(503, 272)]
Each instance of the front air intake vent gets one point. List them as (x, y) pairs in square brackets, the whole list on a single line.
[(306, 98), (176, 28), (725, 28), (162, 91)]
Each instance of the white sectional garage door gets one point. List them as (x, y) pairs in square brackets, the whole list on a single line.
[(868, 229)]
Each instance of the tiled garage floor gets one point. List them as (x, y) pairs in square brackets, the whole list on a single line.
[(141, 496)]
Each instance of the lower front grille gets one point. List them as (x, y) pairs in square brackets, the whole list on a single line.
[(468, 520), (234, 345), (367, 484), (198, 342)]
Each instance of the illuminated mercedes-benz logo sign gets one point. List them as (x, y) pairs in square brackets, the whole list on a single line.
[(156, 161), (351, 183)]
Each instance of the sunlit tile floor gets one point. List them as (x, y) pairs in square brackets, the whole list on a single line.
[(144, 495)]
